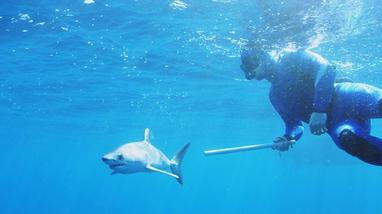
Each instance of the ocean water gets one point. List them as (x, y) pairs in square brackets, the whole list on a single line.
[(78, 79)]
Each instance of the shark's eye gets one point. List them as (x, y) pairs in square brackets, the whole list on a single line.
[(120, 157)]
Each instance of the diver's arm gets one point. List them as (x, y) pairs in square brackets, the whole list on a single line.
[(324, 82), (324, 88), (293, 127), (293, 132)]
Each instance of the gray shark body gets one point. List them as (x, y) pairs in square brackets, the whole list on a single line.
[(142, 156)]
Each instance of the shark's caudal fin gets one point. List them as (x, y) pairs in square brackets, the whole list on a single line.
[(176, 163)]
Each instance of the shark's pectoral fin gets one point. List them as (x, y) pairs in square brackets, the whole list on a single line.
[(161, 171), (113, 173)]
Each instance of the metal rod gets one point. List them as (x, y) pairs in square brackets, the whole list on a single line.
[(243, 148)]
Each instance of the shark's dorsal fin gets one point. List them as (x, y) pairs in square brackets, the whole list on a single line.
[(147, 135), (161, 171)]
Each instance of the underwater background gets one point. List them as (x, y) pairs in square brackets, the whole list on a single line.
[(80, 78)]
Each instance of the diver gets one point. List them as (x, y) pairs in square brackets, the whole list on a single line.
[(304, 89)]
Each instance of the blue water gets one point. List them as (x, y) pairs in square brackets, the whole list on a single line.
[(78, 80)]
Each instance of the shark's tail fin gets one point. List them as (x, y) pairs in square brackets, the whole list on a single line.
[(176, 163)]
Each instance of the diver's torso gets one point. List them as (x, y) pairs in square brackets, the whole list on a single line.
[(293, 87)]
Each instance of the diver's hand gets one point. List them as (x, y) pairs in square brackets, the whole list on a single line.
[(317, 123), (282, 144)]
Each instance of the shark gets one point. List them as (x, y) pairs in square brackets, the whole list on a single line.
[(142, 156)]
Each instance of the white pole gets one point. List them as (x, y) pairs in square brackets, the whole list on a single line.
[(245, 148)]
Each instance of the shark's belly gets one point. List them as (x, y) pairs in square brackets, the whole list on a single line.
[(160, 165), (131, 167), (142, 155), (157, 160)]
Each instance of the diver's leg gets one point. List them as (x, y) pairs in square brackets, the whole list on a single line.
[(354, 137), (356, 100), (368, 102), (378, 110), (375, 105)]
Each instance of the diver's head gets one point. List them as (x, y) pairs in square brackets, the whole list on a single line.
[(253, 63)]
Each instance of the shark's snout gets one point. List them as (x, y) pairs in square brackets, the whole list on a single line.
[(107, 159), (112, 161)]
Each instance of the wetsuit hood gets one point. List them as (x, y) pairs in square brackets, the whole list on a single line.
[(255, 63)]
